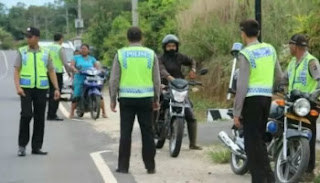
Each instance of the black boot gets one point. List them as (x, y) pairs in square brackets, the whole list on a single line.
[(192, 131)]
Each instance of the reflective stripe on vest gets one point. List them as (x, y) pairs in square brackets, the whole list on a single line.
[(136, 72), (299, 76), (55, 50), (262, 58), (33, 73)]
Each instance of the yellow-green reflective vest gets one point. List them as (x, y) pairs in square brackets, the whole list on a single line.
[(55, 50), (33, 73), (136, 72), (299, 76), (262, 59)]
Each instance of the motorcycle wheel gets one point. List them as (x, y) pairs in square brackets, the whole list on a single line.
[(238, 165), (94, 103), (298, 154), (80, 114), (160, 129), (176, 136)]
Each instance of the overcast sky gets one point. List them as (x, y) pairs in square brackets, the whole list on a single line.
[(10, 3)]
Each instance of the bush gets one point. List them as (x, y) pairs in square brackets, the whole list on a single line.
[(117, 37), (6, 40), (209, 27), (310, 26)]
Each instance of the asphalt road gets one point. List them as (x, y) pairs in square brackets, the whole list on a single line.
[(70, 145)]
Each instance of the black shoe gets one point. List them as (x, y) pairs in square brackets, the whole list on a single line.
[(39, 152), (122, 171), (54, 119), (151, 171), (22, 151)]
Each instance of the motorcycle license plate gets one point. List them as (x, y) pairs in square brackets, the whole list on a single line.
[(92, 78)]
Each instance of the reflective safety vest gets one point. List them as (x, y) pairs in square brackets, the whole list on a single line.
[(55, 50), (299, 75), (136, 72), (262, 59), (33, 73)]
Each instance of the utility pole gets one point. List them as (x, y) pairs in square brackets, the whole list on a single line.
[(67, 21), (258, 13), (46, 24), (79, 26), (80, 17), (79, 9), (135, 15)]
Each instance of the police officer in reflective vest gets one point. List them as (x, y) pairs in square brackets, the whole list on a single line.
[(135, 76), (258, 68), (303, 74), (59, 60), (31, 81)]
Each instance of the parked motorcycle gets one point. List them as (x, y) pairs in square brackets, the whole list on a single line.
[(286, 139)]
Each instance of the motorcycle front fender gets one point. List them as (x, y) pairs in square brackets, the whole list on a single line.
[(94, 91), (296, 133)]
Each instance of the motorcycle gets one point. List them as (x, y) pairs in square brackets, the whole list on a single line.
[(286, 139), (91, 94), (169, 121)]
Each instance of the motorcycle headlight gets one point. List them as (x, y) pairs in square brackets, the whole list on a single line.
[(95, 72), (301, 107), (99, 82), (90, 72), (179, 96)]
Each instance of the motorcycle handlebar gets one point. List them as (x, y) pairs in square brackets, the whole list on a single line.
[(193, 83)]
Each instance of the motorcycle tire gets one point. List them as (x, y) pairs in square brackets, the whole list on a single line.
[(94, 104), (176, 137), (80, 114), (282, 173)]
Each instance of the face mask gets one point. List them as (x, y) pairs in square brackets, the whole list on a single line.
[(171, 52)]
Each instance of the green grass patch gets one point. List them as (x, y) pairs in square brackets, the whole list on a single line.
[(220, 155), (201, 106)]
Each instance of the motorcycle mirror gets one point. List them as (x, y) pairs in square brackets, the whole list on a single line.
[(204, 71), (236, 47), (306, 95), (295, 93)]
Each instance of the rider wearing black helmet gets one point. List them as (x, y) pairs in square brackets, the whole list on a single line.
[(170, 68)]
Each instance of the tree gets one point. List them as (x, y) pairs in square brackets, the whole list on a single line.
[(6, 40)]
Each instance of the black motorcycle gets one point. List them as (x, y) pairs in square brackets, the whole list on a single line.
[(286, 139), (170, 119)]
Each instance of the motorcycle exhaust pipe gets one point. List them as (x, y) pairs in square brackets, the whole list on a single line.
[(224, 137)]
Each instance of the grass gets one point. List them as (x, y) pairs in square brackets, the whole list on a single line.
[(220, 155), (202, 104)]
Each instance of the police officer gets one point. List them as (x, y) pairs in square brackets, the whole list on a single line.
[(258, 68), (135, 75), (170, 64), (59, 60), (31, 81), (303, 74)]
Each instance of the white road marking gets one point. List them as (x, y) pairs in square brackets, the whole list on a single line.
[(63, 110), (6, 65), (103, 168)]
